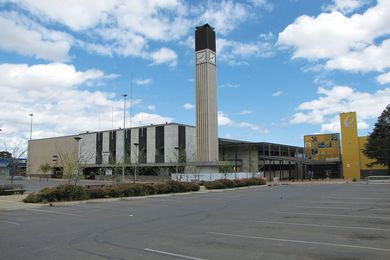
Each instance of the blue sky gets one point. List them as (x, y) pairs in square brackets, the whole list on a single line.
[(284, 68)]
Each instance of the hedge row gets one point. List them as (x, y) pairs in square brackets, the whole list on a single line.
[(224, 183), (69, 192)]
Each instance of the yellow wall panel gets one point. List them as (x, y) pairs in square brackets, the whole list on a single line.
[(350, 145), (323, 147)]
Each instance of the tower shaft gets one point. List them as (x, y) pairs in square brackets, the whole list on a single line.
[(206, 96)]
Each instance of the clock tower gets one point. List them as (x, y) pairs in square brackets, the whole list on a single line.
[(206, 99)]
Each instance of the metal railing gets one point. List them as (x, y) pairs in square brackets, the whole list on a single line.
[(377, 179)]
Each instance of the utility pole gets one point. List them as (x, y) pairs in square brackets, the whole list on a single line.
[(77, 138), (137, 161), (124, 136), (177, 163), (31, 122)]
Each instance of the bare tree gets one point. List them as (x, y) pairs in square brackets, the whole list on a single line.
[(73, 163), (226, 169), (16, 152)]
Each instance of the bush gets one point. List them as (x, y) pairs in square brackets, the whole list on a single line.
[(71, 192), (225, 184), (219, 184), (64, 192)]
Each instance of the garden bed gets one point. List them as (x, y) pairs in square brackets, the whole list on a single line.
[(70, 192)]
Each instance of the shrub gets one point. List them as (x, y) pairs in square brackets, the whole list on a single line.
[(64, 192), (224, 184), (32, 198), (219, 184)]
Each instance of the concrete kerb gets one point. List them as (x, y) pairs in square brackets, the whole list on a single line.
[(10, 204), (22, 205)]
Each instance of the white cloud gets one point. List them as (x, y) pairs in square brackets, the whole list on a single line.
[(164, 55), (325, 109), (384, 78), (55, 94), (225, 120), (277, 93), (142, 82), (263, 4), (245, 112), (144, 118), (371, 58), (26, 41), (129, 28), (117, 27), (354, 43), (188, 106), (235, 53), (77, 15), (345, 6), (225, 15)]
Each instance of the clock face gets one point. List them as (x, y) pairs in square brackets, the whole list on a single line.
[(200, 57), (212, 58)]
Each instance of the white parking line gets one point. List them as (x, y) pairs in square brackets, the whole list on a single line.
[(358, 198), (321, 226), (306, 207), (333, 215), (10, 222), (300, 241), (53, 212), (172, 254), (355, 203)]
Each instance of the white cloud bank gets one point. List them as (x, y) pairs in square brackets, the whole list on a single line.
[(325, 109), (123, 28), (356, 43), (26, 41), (61, 101)]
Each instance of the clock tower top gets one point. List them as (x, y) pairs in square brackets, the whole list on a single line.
[(204, 38)]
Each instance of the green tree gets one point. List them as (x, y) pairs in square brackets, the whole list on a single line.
[(378, 144)]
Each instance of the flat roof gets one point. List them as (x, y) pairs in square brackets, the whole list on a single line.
[(110, 130)]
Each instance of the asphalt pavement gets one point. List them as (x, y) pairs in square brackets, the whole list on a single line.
[(323, 221)]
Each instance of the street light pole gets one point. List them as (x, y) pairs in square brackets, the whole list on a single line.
[(77, 138), (124, 136), (31, 115), (137, 161), (177, 163)]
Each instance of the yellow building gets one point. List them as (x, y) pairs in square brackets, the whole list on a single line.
[(354, 161)]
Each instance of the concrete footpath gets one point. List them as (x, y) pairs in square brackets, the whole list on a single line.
[(14, 202)]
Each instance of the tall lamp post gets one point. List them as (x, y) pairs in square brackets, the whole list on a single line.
[(124, 136), (31, 121), (137, 161), (177, 163), (77, 138)]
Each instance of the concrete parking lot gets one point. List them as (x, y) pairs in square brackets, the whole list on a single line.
[(333, 221)]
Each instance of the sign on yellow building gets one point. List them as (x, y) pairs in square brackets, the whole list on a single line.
[(350, 145)]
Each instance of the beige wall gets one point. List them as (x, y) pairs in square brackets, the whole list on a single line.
[(42, 151)]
